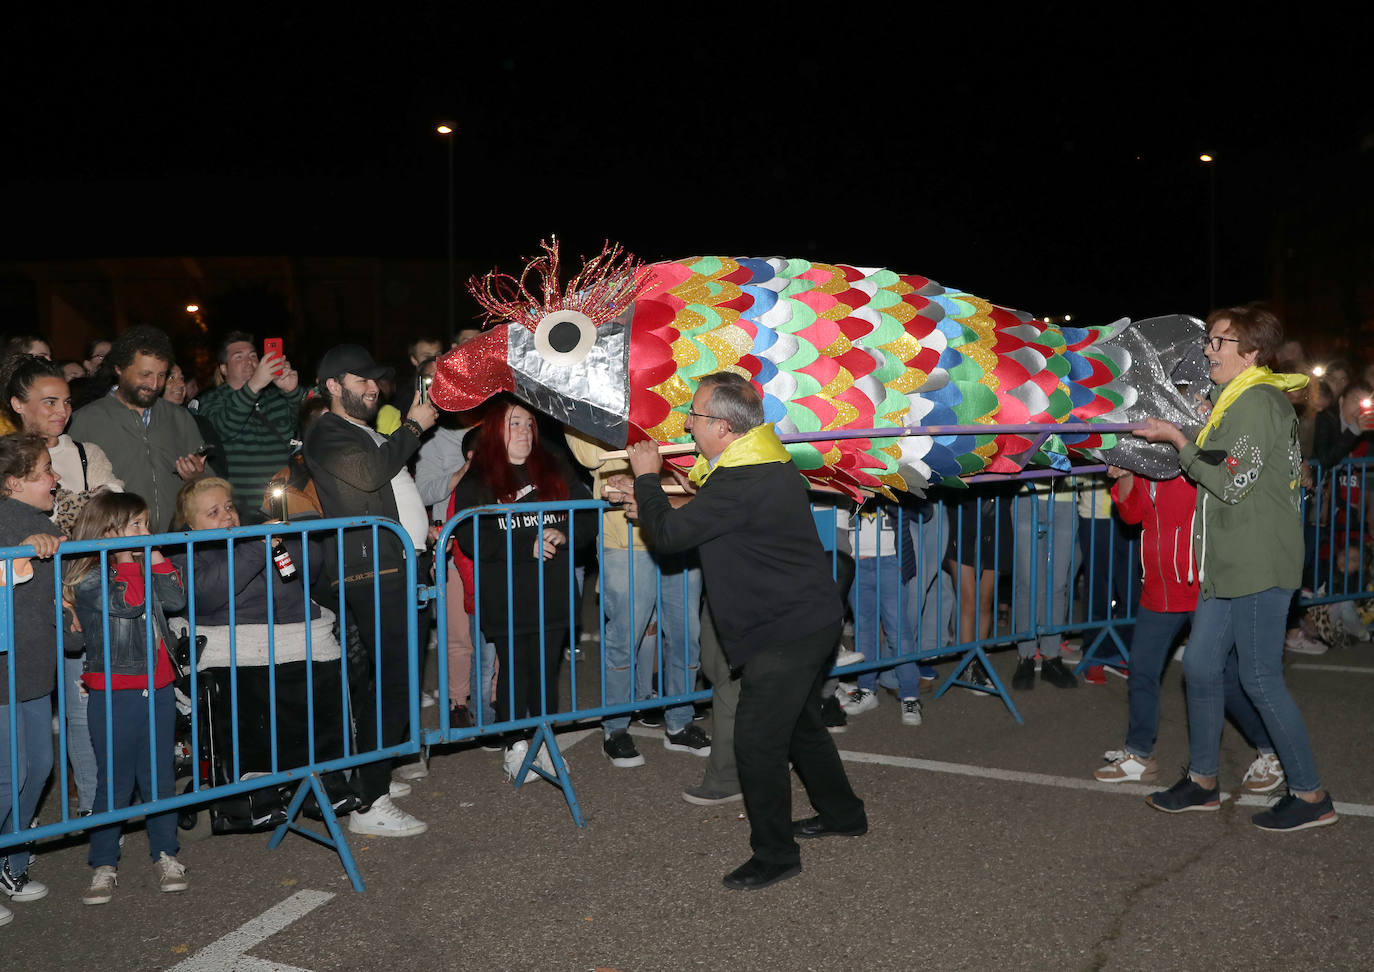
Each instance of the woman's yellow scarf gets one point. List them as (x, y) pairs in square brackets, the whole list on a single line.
[(1247, 379)]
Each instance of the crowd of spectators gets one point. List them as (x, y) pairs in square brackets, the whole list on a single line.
[(261, 445)]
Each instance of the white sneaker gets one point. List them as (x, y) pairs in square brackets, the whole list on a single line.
[(911, 712), (544, 761), (103, 883), (515, 756), (1301, 644), (21, 887), (417, 770), (398, 789), (171, 873), (846, 657), (429, 699), (1264, 775), (844, 689), (860, 700), (1124, 767), (385, 819)]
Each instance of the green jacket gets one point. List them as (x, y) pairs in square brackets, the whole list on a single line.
[(1247, 536)]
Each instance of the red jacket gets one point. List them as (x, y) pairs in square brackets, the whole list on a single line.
[(1165, 511)]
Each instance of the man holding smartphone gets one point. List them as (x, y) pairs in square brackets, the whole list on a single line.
[(254, 410)]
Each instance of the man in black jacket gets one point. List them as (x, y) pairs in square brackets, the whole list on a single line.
[(359, 472), (777, 611)]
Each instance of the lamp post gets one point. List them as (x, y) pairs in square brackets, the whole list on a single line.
[(1211, 163), (447, 132)]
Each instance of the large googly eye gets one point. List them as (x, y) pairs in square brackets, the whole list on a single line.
[(565, 337)]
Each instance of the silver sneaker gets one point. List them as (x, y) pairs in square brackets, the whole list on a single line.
[(911, 712)]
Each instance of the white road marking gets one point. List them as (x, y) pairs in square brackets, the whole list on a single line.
[(1037, 779), (1336, 668), (1064, 782), (226, 954)]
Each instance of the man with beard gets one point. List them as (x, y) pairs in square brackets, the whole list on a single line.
[(359, 472), (152, 444)]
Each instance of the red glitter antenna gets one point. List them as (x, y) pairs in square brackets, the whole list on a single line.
[(606, 285)]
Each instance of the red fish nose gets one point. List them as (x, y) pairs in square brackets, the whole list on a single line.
[(473, 372)]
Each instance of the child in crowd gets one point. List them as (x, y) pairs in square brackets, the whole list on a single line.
[(119, 681)]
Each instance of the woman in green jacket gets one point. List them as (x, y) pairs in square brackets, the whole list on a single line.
[(1247, 548)]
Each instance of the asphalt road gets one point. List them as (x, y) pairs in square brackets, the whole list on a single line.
[(990, 847)]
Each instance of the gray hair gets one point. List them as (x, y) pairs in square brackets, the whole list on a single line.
[(734, 399)]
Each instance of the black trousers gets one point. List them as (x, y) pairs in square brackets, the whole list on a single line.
[(388, 665), (779, 719), (519, 667)]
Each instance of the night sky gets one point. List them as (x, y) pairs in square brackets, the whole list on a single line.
[(1044, 160)]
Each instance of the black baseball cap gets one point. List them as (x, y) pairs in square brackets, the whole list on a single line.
[(350, 359)]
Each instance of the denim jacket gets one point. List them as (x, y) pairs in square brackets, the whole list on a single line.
[(128, 629)]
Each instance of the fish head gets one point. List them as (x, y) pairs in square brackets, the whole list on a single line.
[(566, 366)]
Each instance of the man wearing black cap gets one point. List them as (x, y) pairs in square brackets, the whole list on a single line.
[(359, 472)]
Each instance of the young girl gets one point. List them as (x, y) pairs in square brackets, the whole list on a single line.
[(122, 688), (26, 486)]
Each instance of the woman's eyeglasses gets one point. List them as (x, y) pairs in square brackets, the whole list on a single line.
[(1215, 342)]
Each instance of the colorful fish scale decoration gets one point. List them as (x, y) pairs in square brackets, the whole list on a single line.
[(831, 348), (834, 347)]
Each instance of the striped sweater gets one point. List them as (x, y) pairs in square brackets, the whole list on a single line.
[(256, 431)]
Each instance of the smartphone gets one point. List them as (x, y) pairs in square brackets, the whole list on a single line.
[(272, 346), (422, 386)]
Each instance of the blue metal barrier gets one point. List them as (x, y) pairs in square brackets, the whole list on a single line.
[(304, 772), (1041, 520)]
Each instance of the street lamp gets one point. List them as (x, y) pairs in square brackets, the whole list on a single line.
[(1211, 163), (447, 132)]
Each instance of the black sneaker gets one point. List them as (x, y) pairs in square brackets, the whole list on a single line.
[(1294, 813), (690, 740), (650, 720), (1024, 676), (833, 715), (459, 717), (620, 750), (1054, 671), (1185, 795), (977, 677)]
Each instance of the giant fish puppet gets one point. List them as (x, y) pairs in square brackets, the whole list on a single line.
[(832, 349)]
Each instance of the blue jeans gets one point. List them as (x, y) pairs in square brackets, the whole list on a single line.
[(1112, 569), (1155, 633), (1255, 625), (33, 738), (930, 595), (483, 667), (877, 597), (627, 615), (1044, 550), (132, 770), (79, 750)]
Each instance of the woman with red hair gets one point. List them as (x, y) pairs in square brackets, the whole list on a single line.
[(511, 465)]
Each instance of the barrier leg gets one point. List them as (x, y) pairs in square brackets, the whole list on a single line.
[(544, 736), (998, 688), (1091, 655), (335, 840)]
